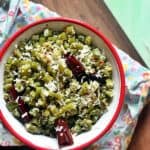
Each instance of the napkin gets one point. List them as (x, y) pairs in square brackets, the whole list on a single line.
[(137, 79)]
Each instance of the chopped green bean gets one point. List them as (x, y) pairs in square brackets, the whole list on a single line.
[(38, 71)]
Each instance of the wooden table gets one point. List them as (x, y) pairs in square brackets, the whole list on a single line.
[(95, 13)]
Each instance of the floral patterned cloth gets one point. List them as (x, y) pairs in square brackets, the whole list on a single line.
[(22, 12)]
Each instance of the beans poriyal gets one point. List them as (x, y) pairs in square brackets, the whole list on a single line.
[(40, 88)]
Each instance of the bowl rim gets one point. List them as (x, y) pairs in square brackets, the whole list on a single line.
[(114, 53)]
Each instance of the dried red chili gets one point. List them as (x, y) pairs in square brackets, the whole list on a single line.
[(78, 70), (63, 132)]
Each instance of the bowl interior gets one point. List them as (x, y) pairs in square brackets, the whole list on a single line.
[(104, 122)]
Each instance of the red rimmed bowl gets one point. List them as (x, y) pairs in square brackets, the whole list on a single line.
[(107, 119)]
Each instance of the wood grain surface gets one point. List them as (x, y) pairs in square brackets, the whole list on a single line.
[(95, 13)]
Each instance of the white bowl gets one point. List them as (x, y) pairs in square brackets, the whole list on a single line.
[(103, 124)]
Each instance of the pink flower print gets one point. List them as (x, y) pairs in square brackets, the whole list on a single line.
[(38, 8), (3, 18), (117, 139), (11, 13), (134, 68), (5, 143), (117, 143)]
